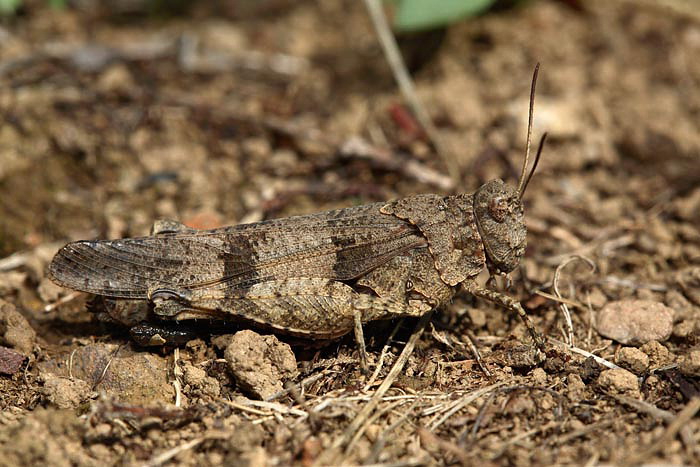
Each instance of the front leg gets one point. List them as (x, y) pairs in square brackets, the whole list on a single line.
[(508, 303)]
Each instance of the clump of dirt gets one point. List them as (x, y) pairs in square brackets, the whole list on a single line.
[(15, 331), (113, 119), (132, 377), (44, 437), (260, 364)]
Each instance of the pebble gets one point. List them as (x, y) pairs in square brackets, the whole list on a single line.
[(15, 330), (64, 393), (658, 354), (690, 365), (619, 381), (686, 329), (632, 359), (10, 361), (48, 291), (635, 322), (539, 376), (477, 317), (199, 382), (575, 387), (260, 363)]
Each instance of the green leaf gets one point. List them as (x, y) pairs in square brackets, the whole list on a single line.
[(8, 7), (57, 4), (412, 15)]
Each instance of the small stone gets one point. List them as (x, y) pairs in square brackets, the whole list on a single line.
[(260, 363), (635, 322), (10, 361), (311, 448), (192, 374), (10, 281), (256, 456), (15, 330), (221, 341), (689, 281), (632, 359), (258, 148), (685, 329), (477, 317), (199, 381), (575, 387), (100, 451), (590, 370), (103, 430), (619, 381), (372, 432), (556, 362), (116, 78), (244, 437), (520, 404), (514, 354), (597, 298), (539, 376), (65, 393), (658, 354), (690, 365), (688, 207), (575, 425), (48, 291), (681, 306)]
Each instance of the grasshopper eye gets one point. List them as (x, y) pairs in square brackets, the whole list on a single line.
[(498, 208)]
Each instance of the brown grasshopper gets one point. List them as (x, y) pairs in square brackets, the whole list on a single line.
[(319, 275)]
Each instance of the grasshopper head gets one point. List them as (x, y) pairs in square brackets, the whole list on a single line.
[(499, 217)]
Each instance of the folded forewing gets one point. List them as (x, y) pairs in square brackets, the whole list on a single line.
[(341, 244)]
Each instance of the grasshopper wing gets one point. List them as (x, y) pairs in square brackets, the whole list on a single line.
[(340, 244)]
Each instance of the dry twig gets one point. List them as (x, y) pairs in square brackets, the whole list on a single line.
[(367, 410), (683, 417), (430, 439), (591, 428), (104, 371), (562, 305), (304, 382), (398, 68), (177, 374), (467, 399), (380, 442), (588, 354), (655, 412), (382, 356), (63, 300)]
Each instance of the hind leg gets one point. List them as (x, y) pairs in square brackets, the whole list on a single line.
[(302, 306)]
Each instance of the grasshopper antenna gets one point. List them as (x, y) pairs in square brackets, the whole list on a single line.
[(524, 180), (534, 166)]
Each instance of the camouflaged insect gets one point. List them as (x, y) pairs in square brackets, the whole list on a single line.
[(317, 276)]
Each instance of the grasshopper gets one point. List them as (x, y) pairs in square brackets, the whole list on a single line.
[(318, 276)]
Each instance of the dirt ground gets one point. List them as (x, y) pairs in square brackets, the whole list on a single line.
[(234, 112)]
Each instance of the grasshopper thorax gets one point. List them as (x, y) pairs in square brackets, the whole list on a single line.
[(499, 218)]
